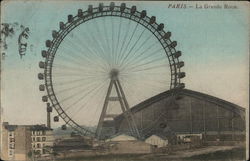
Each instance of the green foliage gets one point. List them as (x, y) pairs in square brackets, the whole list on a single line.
[(29, 154)]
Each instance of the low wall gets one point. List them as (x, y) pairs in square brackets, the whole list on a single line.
[(123, 147), (131, 147), (226, 137), (77, 154), (224, 143)]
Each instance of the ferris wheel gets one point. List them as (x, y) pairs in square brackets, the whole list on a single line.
[(105, 60)]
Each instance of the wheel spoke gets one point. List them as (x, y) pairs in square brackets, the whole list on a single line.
[(105, 48)]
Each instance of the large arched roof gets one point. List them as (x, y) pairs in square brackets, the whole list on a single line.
[(198, 95)]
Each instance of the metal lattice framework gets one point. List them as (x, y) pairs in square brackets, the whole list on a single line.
[(90, 14)]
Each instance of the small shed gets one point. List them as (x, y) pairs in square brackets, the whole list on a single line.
[(157, 140), (122, 137)]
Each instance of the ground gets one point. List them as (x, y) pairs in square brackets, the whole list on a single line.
[(214, 153)]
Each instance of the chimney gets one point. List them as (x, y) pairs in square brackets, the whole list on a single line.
[(49, 110)]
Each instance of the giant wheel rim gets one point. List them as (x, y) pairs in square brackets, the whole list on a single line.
[(77, 20)]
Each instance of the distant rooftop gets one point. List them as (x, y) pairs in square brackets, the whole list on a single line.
[(39, 127), (9, 127)]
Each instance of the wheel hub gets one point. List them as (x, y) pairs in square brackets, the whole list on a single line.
[(114, 73)]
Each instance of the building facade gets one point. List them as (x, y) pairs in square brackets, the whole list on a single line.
[(20, 142), (16, 142), (42, 139)]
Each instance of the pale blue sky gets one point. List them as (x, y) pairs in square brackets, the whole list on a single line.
[(214, 44)]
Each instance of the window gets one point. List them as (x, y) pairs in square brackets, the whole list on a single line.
[(11, 146), (33, 139), (44, 151), (43, 132), (38, 139), (11, 134), (38, 152), (10, 152), (44, 139), (12, 140), (38, 145)]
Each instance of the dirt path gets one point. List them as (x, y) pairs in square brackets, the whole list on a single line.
[(206, 150), (191, 152)]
